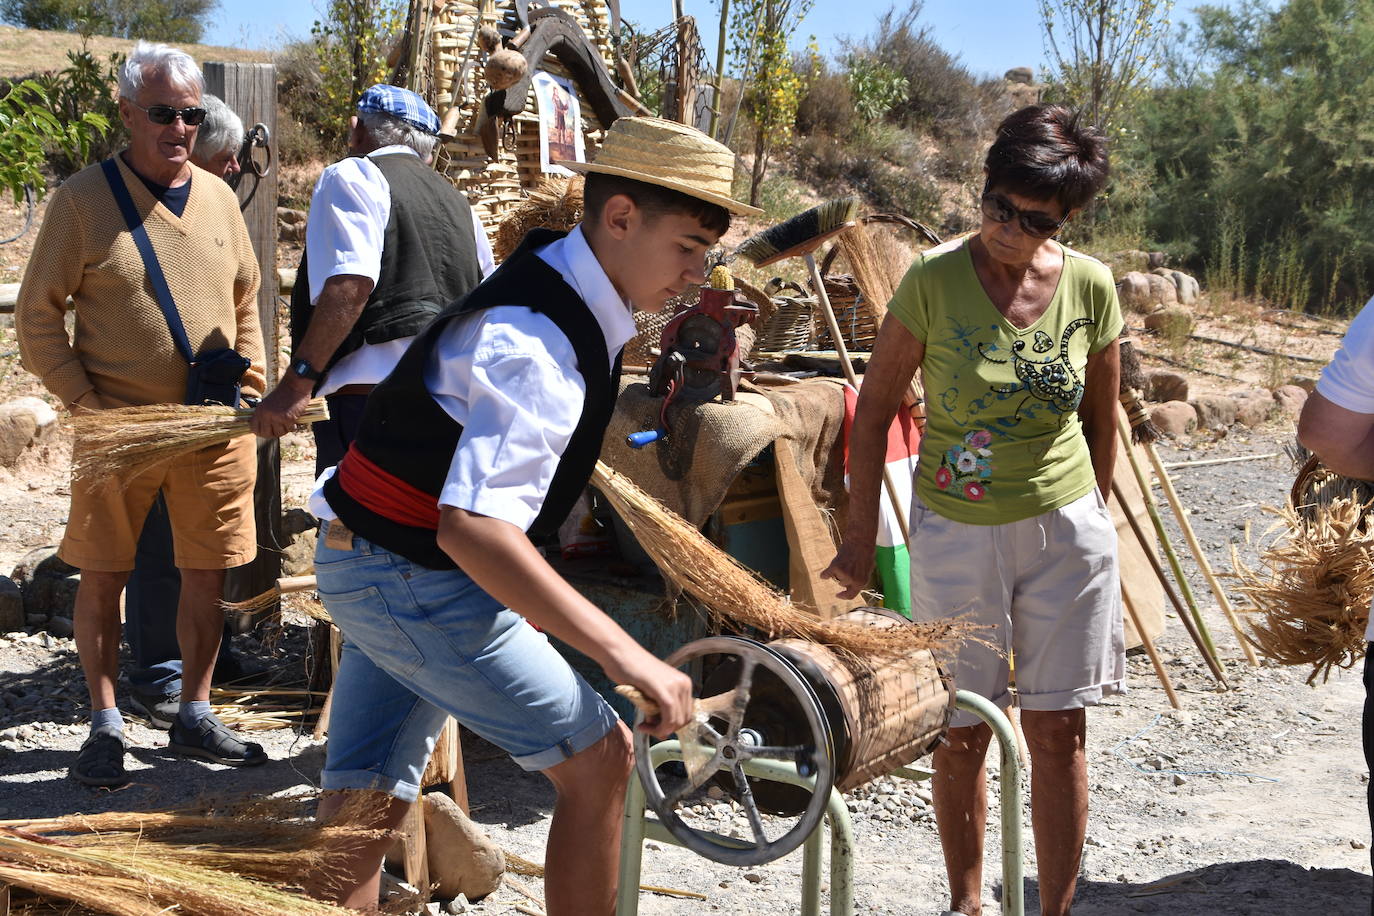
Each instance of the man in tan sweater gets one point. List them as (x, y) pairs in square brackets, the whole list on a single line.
[(123, 353)]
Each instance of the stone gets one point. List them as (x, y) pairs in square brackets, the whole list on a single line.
[(1170, 322), (1215, 411), (462, 859), (291, 217), (1305, 382), (1289, 400), (1022, 75), (11, 606), (298, 556), (61, 626), (24, 422), (1253, 407), (1133, 289), (1162, 290), (1166, 385), (1188, 287), (1132, 259), (1156, 259), (457, 905), (1174, 418), (48, 584)]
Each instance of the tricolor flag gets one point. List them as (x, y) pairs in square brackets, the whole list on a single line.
[(892, 559)]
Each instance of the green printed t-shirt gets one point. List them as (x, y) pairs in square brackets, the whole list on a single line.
[(1003, 440)]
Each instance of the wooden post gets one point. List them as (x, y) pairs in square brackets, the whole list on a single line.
[(251, 91)]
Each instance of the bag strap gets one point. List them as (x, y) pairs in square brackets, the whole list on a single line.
[(145, 248)]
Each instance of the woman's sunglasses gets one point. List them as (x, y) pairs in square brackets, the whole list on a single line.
[(166, 114), (1035, 223)]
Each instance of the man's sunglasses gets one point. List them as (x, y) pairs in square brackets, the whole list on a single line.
[(1035, 223), (166, 114)]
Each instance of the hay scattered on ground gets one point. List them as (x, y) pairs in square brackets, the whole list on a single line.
[(735, 596), (122, 443), (1312, 592), (244, 861)]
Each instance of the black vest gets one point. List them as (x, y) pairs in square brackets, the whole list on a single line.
[(429, 259), (407, 433)]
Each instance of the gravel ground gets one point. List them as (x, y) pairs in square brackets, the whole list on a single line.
[(1245, 802)]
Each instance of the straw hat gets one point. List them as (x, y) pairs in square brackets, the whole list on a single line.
[(670, 155)]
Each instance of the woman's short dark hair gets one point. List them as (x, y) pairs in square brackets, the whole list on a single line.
[(653, 199), (1046, 152)]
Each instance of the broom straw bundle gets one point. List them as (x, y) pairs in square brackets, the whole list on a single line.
[(734, 595), (119, 444), (1312, 592)]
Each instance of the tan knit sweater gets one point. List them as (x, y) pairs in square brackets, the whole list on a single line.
[(123, 352)]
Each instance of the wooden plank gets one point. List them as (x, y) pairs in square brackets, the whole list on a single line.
[(251, 91)]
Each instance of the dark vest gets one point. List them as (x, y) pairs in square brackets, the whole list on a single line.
[(407, 433), (429, 259)]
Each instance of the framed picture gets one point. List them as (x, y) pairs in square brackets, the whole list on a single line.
[(560, 123)]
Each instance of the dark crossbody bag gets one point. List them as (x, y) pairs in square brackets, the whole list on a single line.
[(212, 377)]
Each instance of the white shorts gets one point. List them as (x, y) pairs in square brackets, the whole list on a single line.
[(1045, 589)]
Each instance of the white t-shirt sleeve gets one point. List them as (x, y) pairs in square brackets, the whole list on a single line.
[(1349, 379), (346, 229), (486, 258), (519, 398)]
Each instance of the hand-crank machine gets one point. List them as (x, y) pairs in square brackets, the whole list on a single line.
[(782, 728)]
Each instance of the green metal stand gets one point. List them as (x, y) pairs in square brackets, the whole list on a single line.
[(640, 827)]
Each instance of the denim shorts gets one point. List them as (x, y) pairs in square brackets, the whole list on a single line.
[(422, 644)]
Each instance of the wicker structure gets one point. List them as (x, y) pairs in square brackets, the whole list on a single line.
[(495, 187)]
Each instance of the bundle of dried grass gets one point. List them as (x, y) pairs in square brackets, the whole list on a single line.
[(735, 596), (554, 203), (241, 863), (286, 585), (119, 444), (1311, 596)]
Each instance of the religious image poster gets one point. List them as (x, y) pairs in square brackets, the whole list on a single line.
[(560, 123)]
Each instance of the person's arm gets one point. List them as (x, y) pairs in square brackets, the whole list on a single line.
[(40, 312), (1343, 439), (336, 311), (896, 357), (1097, 412), (500, 558)]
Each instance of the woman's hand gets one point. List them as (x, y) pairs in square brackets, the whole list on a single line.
[(852, 566)]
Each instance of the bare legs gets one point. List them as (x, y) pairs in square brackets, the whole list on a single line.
[(200, 626), (95, 616), (1059, 807), (583, 849)]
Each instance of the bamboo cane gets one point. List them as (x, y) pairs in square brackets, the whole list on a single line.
[(1150, 650), (1183, 615), (1164, 542), (1191, 537)]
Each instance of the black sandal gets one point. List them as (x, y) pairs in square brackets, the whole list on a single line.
[(100, 762), (212, 740)]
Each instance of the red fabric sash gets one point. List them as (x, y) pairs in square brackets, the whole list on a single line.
[(385, 494)]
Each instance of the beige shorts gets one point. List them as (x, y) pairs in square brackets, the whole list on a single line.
[(209, 502), (1045, 589)]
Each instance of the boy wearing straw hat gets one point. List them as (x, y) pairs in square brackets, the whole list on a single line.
[(487, 431)]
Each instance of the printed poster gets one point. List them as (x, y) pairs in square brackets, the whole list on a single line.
[(560, 123)]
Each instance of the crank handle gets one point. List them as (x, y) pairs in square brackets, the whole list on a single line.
[(641, 439)]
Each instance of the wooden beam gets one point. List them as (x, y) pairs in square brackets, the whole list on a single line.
[(251, 91)]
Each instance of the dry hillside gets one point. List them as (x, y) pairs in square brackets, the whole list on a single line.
[(28, 51)]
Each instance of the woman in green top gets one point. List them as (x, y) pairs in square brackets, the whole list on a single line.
[(1015, 336)]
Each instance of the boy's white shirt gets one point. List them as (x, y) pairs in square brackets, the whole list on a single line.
[(510, 378)]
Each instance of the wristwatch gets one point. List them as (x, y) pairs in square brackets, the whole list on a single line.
[(303, 368)]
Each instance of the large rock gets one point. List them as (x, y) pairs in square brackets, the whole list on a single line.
[(48, 585), (1188, 287), (1166, 385), (1133, 289), (1132, 259), (23, 422), (1162, 290), (1289, 400), (1174, 418), (1253, 407), (298, 556), (1156, 259), (1172, 323), (462, 859), (1023, 75), (1305, 382), (11, 605), (1215, 411)]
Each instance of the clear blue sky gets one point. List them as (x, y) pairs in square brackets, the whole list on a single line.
[(988, 36)]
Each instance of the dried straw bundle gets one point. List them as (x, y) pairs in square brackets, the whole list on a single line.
[(554, 203), (124, 442), (155, 862), (1311, 597), (734, 595)]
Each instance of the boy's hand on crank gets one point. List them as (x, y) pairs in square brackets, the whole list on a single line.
[(669, 688)]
